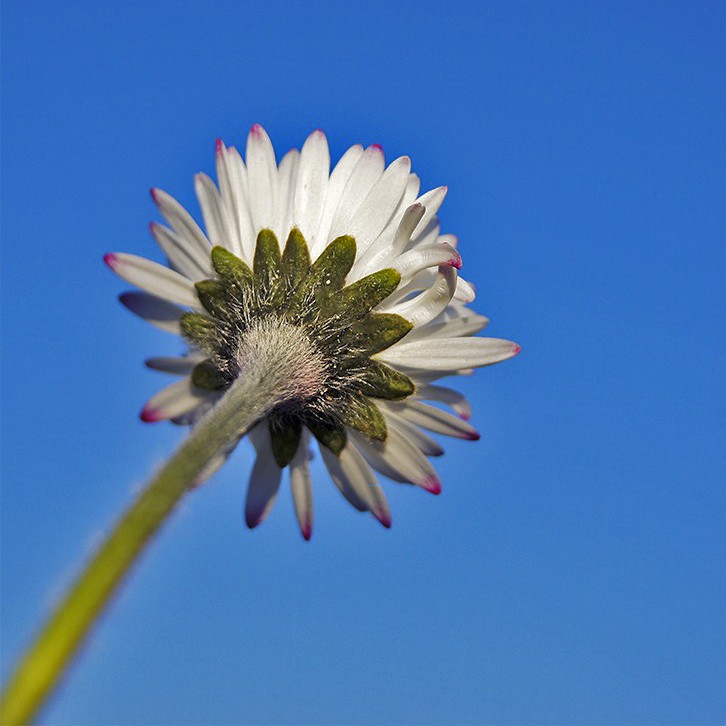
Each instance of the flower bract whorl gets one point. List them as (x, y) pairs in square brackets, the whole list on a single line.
[(348, 274)]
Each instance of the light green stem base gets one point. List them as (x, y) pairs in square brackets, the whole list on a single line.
[(247, 400)]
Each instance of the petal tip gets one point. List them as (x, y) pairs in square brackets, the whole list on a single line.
[(432, 484), (456, 261), (150, 415), (383, 517), (307, 532), (111, 260), (154, 192), (473, 436), (256, 131), (516, 349), (218, 146)]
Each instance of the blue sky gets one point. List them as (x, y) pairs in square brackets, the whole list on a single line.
[(572, 569)]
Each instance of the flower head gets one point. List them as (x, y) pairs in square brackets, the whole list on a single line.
[(341, 277)]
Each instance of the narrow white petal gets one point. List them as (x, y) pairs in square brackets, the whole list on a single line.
[(231, 195), (177, 365), (262, 179), (177, 399), (212, 212), (160, 313), (465, 291), (366, 173), (421, 258), (351, 475), (399, 459), (452, 328), (180, 220), (238, 183), (264, 479), (418, 438), (183, 256), (428, 305), (434, 419), (372, 215), (157, 279), (301, 487), (336, 186), (449, 353), (311, 185), (287, 175), (432, 200), (448, 396)]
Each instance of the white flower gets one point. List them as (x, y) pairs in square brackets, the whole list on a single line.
[(366, 294)]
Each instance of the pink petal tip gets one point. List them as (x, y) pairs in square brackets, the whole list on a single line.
[(516, 348), (377, 147), (154, 194), (473, 436), (218, 146), (456, 261), (111, 260), (150, 415), (307, 531), (433, 485), (257, 131), (384, 518), (465, 416)]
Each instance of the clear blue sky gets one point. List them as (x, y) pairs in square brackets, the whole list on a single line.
[(573, 568)]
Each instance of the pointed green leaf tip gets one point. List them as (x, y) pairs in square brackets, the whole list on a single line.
[(284, 438), (200, 330), (380, 381), (295, 259), (326, 275), (231, 270), (206, 375), (362, 414), (267, 268), (362, 296), (328, 434)]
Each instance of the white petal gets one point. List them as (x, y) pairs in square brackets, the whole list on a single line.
[(418, 438), (367, 172), (287, 174), (451, 328), (157, 279), (434, 419), (264, 479), (160, 313), (428, 305), (301, 487), (239, 192), (231, 195), (177, 365), (336, 186), (221, 228), (449, 353), (184, 257), (351, 475), (464, 291), (311, 185), (448, 396), (177, 399), (372, 215), (432, 200), (180, 220), (398, 459), (262, 179), (421, 258)]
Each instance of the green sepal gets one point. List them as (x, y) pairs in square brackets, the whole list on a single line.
[(200, 330), (375, 333), (330, 435), (326, 275), (206, 375), (284, 438), (380, 381), (231, 270), (212, 295), (362, 414), (268, 272), (295, 259), (362, 296)]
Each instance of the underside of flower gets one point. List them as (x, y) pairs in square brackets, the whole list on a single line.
[(341, 282), (285, 302)]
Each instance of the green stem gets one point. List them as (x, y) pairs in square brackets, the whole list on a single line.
[(249, 398)]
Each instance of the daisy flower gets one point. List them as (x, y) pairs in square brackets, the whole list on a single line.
[(334, 290)]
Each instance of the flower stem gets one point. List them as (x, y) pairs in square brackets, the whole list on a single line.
[(250, 397)]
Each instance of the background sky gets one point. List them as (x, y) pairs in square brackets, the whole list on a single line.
[(573, 568)]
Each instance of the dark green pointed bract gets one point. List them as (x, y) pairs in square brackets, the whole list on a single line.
[(362, 296), (295, 260), (362, 414), (376, 332), (206, 375), (380, 381), (331, 435), (337, 320), (268, 269), (284, 437)]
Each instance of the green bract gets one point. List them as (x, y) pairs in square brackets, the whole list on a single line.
[(337, 320)]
